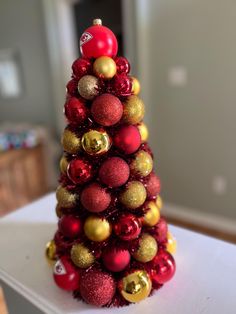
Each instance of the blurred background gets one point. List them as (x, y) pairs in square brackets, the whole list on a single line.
[(183, 53)]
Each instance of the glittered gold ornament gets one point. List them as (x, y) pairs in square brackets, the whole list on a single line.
[(97, 229), (147, 249), (135, 86), (65, 198), (58, 210), (143, 130), (70, 142), (142, 164), (136, 286), (63, 164), (95, 142), (159, 202), (88, 87), (171, 243), (104, 67), (152, 216), (50, 252), (81, 256), (134, 195), (133, 110)]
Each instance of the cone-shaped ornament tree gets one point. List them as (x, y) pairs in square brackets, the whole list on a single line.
[(112, 246)]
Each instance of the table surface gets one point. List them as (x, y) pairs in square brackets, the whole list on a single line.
[(204, 281)]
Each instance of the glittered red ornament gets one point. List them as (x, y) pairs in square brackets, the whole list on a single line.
[(122, 65), (72, 87), (97, 287), (114, 172), (75, 110), (79, 170), (66, 275), (81, 67), (115, 259), (121, 85), (107, 109), (127, 138), (95, 198), (161, 230), (163, 267), (127, 227), (70, 226), (153, 185)]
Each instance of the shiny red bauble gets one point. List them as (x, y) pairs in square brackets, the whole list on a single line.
[(66, 275), (95, 198), (127, 227), (115, 259), (121, 85), (70, 226), (79, 170), (122, 65), (162, 267), (97, 287), (72, 87), (81, 67), (107, 109), (127, 138), (114, 172), (98, 41), (76, 111), (153, 185)]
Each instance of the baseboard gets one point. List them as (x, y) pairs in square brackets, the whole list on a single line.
[(196, 217)]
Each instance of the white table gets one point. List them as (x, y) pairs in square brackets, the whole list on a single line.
[(205, 281)]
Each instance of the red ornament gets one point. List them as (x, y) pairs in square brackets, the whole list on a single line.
[(81, 67), (95, 198), (122, 65), (72, 87), (153, 185), (114, 172), (66, 275), (107, 110), (121, 85), (116, 259), (97, 287), (70, 226), (127, 227), (98, 41), (161, 231), (75, 110), (79, 171), (163, 267), (127, 139)]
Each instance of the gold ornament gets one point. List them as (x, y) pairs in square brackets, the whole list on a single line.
[(88, 87), (136, 286), (133, 110), (152, 216), (142, 164), (58, 210), (143, 130), (65, 198), (159, 202), (63, 164), (134, 195), (104, 67), (50, 252), (135, 86), (171, 243), (81, 256), (97, 229), (147, 249), (95, 142), (70, 142)]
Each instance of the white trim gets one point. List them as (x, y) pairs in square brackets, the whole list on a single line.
[(194, 216)]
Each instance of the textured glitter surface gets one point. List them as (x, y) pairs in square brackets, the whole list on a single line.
[(88, 87), (65, 198), (81, 256), (142, 164), (95, 198), (134, 195), (133, 110), (147, 249), (70, 142)]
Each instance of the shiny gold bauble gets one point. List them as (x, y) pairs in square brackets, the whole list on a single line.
[(142, 164), (97, 229), (152, 215), (143, 130), (136, 286), (70, 142), (104, 67), (135, 86), (88, 87), (159, 202), (58, 210), (63, 164), (50, 252), (65, 198), (134, 195), (147, 249), (133, 110), (171, 243), (96, 142), (81, 256)]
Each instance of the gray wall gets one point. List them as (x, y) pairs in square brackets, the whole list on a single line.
[(194, 127), (22, 29)]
